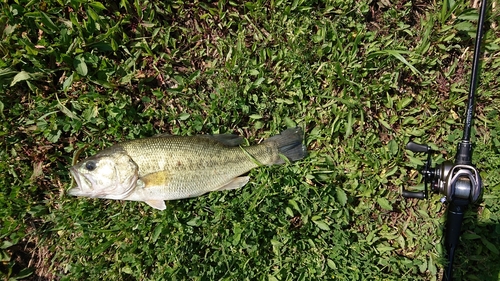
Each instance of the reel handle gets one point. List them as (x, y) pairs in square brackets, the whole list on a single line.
[(427, 171)]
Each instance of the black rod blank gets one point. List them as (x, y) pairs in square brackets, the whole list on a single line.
[(475, 70)]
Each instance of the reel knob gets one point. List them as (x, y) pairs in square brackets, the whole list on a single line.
[(415, 147)]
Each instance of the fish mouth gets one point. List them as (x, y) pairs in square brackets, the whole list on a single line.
[(81, 182), (85, 186), (75, 191)]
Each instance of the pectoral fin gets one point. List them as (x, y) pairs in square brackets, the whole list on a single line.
[(157, 204), (235, 183), (155, 179)]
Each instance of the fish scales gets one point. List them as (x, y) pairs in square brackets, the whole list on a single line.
[(194, 164), (175, 167)]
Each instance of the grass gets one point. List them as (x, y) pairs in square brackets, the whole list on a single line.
[(361, 77)]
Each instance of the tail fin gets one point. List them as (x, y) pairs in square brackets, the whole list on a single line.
[(289, 144)]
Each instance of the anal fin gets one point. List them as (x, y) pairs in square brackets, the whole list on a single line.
[(235, 183)]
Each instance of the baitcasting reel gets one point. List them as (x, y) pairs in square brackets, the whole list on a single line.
[(459, 182), (455, 181)]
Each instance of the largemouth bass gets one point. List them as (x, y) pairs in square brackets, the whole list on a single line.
[(167, 167)]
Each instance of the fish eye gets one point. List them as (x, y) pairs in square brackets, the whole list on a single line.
[(91, 165)]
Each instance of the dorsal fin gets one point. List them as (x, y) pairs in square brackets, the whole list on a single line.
[(162, 135), (225, 139)]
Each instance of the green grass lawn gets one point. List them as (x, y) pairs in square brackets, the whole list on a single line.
[(361, 77)]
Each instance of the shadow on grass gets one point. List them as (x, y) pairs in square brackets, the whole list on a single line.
[(477, 256)]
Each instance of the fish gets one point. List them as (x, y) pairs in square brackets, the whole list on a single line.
[(168, 167)]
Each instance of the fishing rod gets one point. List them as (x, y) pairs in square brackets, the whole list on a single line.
[(458, 181)]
